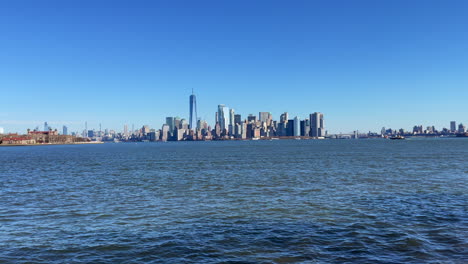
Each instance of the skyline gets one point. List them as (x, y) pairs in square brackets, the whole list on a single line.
[(227, 112), (365, 65), (227, 119)]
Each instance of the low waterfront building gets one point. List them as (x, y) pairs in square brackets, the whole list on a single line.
[(52, 137), (18, 140)]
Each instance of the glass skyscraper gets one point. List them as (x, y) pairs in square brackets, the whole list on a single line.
[(316, 125), (297, 127), (193, 112), (223, 116)]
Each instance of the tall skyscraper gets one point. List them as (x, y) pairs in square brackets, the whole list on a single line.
[(290, 128), (125, 130), (297, 127), (231, 117), (305, 127), (65, 130), (165, 132), (231, 122), (223, 117), (284, 117), (317, 128), (453, 126), (171, 124), (46, 126), (193, 112), (237, 119)]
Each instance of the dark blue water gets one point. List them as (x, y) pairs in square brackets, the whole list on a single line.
[(289, 201)]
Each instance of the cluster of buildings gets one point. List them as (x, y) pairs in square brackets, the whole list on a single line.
[(39, 137), (229, 125), (419, 130)]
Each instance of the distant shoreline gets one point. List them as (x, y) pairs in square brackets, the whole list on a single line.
[(50, 144)]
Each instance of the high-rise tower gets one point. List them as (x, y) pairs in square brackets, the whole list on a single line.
[(317, 128), (453, 126), (193, 112), (223, 116)]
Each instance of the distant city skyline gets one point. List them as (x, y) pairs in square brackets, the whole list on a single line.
[(224, 115), (366, 65), (227, 119), (229, 124)]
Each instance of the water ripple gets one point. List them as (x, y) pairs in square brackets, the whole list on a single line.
[(236, 202)]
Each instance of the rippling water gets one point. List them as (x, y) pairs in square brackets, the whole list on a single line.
[(287, 201)]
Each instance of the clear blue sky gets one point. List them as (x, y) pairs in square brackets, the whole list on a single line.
[(364, 64)]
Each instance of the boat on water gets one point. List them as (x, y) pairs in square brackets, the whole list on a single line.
[(397, 137)]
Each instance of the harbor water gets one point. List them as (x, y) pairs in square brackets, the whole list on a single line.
[(282, 201)]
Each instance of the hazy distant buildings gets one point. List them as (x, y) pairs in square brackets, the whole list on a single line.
[(418, 130), (153, 135), (461, 128), (193, 112), (453, 126), (46, 126), (65, 130), (317, 128), (145, 130)]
